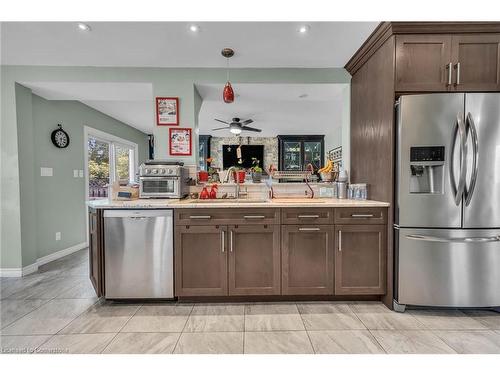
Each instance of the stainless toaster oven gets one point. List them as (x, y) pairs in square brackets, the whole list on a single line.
[(163, 179)]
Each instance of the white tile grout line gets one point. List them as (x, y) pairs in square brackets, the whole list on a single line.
[(244, 326), (116, 334), (183, 328), (307, 332), (371, 334)]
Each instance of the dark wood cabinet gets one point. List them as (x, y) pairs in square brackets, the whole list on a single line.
[(445, 62), (96, 258), (254, 259), (200, 260), (296, 151), (409, 57), (423, 63), (360, 259), (307, 259), (476, 59)]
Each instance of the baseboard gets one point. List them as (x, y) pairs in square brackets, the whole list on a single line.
[(11, 272), (18, 272), (32, 268), (61, 253)]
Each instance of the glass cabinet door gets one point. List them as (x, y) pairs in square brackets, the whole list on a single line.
[(292, 156), (203, 152), (312, 154)]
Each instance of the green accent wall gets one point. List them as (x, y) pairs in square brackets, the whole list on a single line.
[(60, 200), (16, 199)]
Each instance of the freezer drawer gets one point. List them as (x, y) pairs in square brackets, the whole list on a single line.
[(448, 267), (138, 254)]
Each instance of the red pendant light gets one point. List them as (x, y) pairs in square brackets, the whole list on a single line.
[(228, 92)]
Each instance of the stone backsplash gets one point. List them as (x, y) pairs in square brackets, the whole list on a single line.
[(270, 148)]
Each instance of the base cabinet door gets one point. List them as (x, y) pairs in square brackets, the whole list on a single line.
[(254, 260), (360, 259), (96, 252), (307, 259), (200, 260), (477, 62)]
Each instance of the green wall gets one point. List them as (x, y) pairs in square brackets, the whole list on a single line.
[(60, 200), (166, 82)]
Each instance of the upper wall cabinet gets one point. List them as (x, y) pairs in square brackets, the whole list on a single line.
[(423, 63), (445, 62), (476, 59)]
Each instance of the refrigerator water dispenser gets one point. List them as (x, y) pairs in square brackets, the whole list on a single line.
[(426, 170)]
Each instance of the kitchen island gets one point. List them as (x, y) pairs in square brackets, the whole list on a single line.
[(279, 249)]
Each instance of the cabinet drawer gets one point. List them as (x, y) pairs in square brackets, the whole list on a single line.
[(361, 215), (202, 216), (305, 215)]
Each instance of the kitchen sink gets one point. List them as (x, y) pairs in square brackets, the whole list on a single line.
[(298, 200), (230, 200)]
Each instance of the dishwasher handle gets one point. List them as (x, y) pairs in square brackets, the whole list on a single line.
[(138, 214)]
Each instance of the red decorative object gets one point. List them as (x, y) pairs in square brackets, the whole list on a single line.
[(167, 111), (240, 175), (204, 193), (228, 93), (202, 176), (213, 192), (180, 141)]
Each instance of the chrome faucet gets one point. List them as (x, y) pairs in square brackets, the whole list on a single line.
[(236, 180)]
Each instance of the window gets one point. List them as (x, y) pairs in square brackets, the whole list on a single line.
[(109, 159), (124, 164)]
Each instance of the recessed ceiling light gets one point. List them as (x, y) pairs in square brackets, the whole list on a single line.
[(303, 29), (194, 28), (83, 26)]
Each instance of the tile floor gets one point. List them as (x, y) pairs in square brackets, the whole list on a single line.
[(56, 311)]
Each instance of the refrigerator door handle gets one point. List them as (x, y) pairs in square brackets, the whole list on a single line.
[(458, 192), (453, 239), (475, 152)]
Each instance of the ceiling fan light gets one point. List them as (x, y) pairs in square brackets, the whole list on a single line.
[(235, 130)]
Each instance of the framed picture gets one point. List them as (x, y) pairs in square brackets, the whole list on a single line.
[(167, 111), (180, 141)]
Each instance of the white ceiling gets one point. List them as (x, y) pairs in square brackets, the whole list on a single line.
[(131, 103), (275, 108), (171, 44)]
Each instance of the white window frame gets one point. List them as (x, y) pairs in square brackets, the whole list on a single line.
[(89, 132)]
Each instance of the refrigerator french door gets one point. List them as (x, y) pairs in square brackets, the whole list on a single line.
[(447, 231)]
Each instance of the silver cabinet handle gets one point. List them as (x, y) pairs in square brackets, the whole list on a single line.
[(458, 73), (200, 217), (449, 67), (308, 216), (458, 128), (340, 240), (362, 215), (453, 239), (309, 229), (254, 217), (231, 241), (223, 240), (475, 152)]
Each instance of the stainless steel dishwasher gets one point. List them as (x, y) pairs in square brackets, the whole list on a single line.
[(138, 254)]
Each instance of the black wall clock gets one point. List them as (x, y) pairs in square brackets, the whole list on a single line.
[(59, 137)]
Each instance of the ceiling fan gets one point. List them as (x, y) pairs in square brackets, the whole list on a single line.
[(236, 126)]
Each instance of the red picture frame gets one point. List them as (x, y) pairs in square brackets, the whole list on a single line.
[(164, 115), (178, 145)]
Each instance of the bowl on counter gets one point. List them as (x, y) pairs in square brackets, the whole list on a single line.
[(329, 176)]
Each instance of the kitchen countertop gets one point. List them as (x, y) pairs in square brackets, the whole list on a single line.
[(194, 203)]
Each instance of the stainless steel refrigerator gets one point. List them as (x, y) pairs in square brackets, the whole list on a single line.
[(447, 214)]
